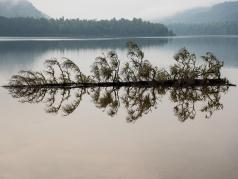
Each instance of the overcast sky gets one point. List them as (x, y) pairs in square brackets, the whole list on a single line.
[(107, 9)]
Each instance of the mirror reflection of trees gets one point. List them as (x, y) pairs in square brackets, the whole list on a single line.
[(137, 85), (141, 101), (185, 100), (106, 99), (137, 101)]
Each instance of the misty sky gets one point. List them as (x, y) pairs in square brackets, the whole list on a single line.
[(107, 9)]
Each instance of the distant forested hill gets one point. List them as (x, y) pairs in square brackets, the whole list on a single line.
[(19, 8), (219, 19), (223, 12), (82, 28)]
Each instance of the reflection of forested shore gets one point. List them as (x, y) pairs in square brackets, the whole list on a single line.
[(15, 52), (73, 44), (24, 52)]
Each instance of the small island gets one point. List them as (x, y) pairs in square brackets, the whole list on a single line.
[(137, 84)]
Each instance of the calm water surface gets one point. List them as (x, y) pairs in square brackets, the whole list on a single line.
[(89, 144)]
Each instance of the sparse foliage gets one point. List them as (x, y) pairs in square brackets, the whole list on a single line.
[(185, 68), (138, 68), (212, 67), (106, 68), (66, 72)]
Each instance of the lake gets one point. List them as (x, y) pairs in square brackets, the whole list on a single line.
[(91, 144)]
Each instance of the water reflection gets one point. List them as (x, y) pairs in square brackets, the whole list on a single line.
[(138, 101), (28, 51)]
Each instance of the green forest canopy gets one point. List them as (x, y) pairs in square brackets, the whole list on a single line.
[(84, 28)]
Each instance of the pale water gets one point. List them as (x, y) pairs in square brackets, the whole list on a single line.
[(90, 144)]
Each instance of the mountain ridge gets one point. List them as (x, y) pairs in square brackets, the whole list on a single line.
[(221, 12), (20, 8)]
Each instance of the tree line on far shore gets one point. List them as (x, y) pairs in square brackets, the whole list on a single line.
[(81, 28)]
